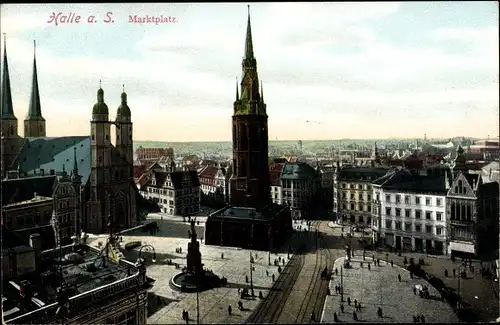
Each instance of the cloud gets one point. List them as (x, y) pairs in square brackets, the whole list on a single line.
[(317, 61)]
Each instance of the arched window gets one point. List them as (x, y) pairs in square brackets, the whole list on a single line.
[(460, 187), (469, 213), (463, 215)]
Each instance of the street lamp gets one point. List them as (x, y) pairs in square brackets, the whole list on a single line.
[(148, 248)]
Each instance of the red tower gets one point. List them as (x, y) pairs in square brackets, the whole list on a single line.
[(250, 183)]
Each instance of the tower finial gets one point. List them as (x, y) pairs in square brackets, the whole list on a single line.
[(261, 91), (34, 48), (248, 40), (100, 84), (4, 39), (123, 87), (75, 165)]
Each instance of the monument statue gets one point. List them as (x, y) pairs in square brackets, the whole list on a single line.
[(193, 256)]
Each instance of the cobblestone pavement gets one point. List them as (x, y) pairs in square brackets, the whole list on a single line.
[(213, 304), (476, 290), (379, 287)]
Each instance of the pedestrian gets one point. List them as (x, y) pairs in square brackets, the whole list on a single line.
[(355, 303), (414, 291), (349, 301), (328, 292), (342, 308), (378, 261), (267, 272), (183, 314), (313, 317), (240, 305), (187, 316), (368, 266), (359, 306), (379, 312), (392, 263), (446, 272), (415, 319), (229, 310), (222, 256), (246, 278), (336, 271), (354, 315), (273, 277), (335, 317), (239, 290), (399, 277), (261, 296), (422, 318), (454, 272)]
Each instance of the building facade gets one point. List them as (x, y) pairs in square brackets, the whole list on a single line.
[(354, 193), (176, 192), (214, 182), (275, 171), (299, 183), (105, 170), (409, 210), (326, 191)]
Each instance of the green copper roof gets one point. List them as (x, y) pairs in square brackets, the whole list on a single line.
[(243, 107), (100, 107), (35, 110), (55, 153), (124, 110), (7, 109)]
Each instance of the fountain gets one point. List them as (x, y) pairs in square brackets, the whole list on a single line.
[(194, 277)]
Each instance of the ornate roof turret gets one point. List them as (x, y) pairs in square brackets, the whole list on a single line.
[(124, 110), (7, 111), (35, 109), (100, 107), (75, 178)]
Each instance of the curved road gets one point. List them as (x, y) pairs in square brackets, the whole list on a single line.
[(299, 290)]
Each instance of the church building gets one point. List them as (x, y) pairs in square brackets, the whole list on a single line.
[(251, 219), (101, 176)]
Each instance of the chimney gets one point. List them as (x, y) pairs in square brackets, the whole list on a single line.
[(36, 244), (35, 195)]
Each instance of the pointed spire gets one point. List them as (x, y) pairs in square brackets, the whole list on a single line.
[(7, 111), (75, 164), (261, 92), (237, 90), (35, 110), (248, 40)]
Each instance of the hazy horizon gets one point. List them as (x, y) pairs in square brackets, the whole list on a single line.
[(382, 70)]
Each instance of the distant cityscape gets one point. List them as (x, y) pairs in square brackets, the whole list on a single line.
[(104, 229)]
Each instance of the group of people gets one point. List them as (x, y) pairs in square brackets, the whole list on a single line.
[(418, 319)]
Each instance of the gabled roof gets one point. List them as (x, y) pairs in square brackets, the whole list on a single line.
[(23, 189), (55, 153), (298, 170), (403, 179), (362, 173), (177, 177), (275, 174), (208, 172)]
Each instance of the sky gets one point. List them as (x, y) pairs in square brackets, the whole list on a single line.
[(329, 70)]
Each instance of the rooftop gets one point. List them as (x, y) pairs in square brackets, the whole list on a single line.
[(298, 170), (82, 270), (362, 173), (36, 199), (244, 213), (23, 189)]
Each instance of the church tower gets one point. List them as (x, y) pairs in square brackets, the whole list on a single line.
[(459, 164), (8, 126), (250, 183), (100, 129), (124, 130), (34, 124)]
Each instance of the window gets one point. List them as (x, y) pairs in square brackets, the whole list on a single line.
[(369, 197), (387, 198), (388, 211), (408, 226), (343, 185), (352, 196), (344, 195), (388, 224), (360, 207), (398, 198), (398, 225), (398, 212), (360, 196), (360, 186), (407, 199), (417, 200), (418, 228), (428, 215), (439, 230), (418, 214), (428, 229), (378, 197), (439, 202), (407, 213), (439, 216), (352, 206), (428, 201)]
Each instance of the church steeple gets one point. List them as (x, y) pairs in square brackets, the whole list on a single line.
[(35, 110), (7, 112), (248, 40), (237, 90)]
